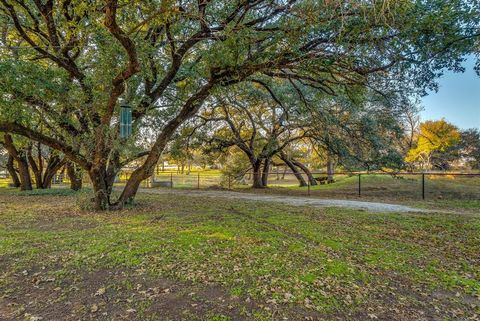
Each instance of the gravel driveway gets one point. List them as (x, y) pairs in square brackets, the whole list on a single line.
[(290, 200)]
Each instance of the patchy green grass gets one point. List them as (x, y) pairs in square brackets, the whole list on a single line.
[(454, 205), (206, 259)]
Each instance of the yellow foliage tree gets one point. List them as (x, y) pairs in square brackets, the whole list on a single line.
[(433, 136)]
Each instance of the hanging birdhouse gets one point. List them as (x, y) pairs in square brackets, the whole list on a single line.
[(125, 121)]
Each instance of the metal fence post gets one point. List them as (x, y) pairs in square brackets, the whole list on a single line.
[(308, 186), (359, 184), (198, 182), (171, 180), (423, 186)]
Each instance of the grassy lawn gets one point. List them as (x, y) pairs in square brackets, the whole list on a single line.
[(208, 259), (4, 182)]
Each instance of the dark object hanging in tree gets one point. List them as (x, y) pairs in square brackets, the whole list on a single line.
[(125, 121)]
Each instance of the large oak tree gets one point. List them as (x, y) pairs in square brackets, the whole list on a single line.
[(75, 62), (255, 119)]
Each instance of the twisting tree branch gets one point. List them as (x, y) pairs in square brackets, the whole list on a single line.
[(132, 67), (69, 151)]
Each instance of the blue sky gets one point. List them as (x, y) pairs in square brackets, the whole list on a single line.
[(457, 100)]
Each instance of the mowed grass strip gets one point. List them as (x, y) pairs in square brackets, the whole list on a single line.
[(271, 261)]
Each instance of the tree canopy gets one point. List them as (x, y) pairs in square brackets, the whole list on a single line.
[(66, 66), (434, 136)]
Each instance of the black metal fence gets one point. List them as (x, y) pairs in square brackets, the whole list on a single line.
[(378, 185), (413, 185), (365, 185)]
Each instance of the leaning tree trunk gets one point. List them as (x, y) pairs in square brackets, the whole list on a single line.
[(25, 178), (191, 107), (294, 169), (307, 172), (12, 172), (74, 173), (21, 158), (133, 183), (266, 170)]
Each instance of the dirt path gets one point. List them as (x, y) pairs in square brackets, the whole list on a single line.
[(290, 200)]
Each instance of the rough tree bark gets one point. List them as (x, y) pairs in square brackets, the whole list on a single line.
[(74, 173), (36, 169), (37, 173), (98, 177), (257, 173), (12, 172), (25, 178), (266, 170), (21, 158), (102, 178)]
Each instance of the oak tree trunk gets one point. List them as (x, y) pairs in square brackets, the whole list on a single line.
[(144, 171), (24, 173), (101, 188), (53, 166), (307, 172), (12, 172), (21, 158), (294, 169), (257, 174), (74, 173), (266, 170), (43, 178), (330, 169), (133, 183), (37, 172)]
